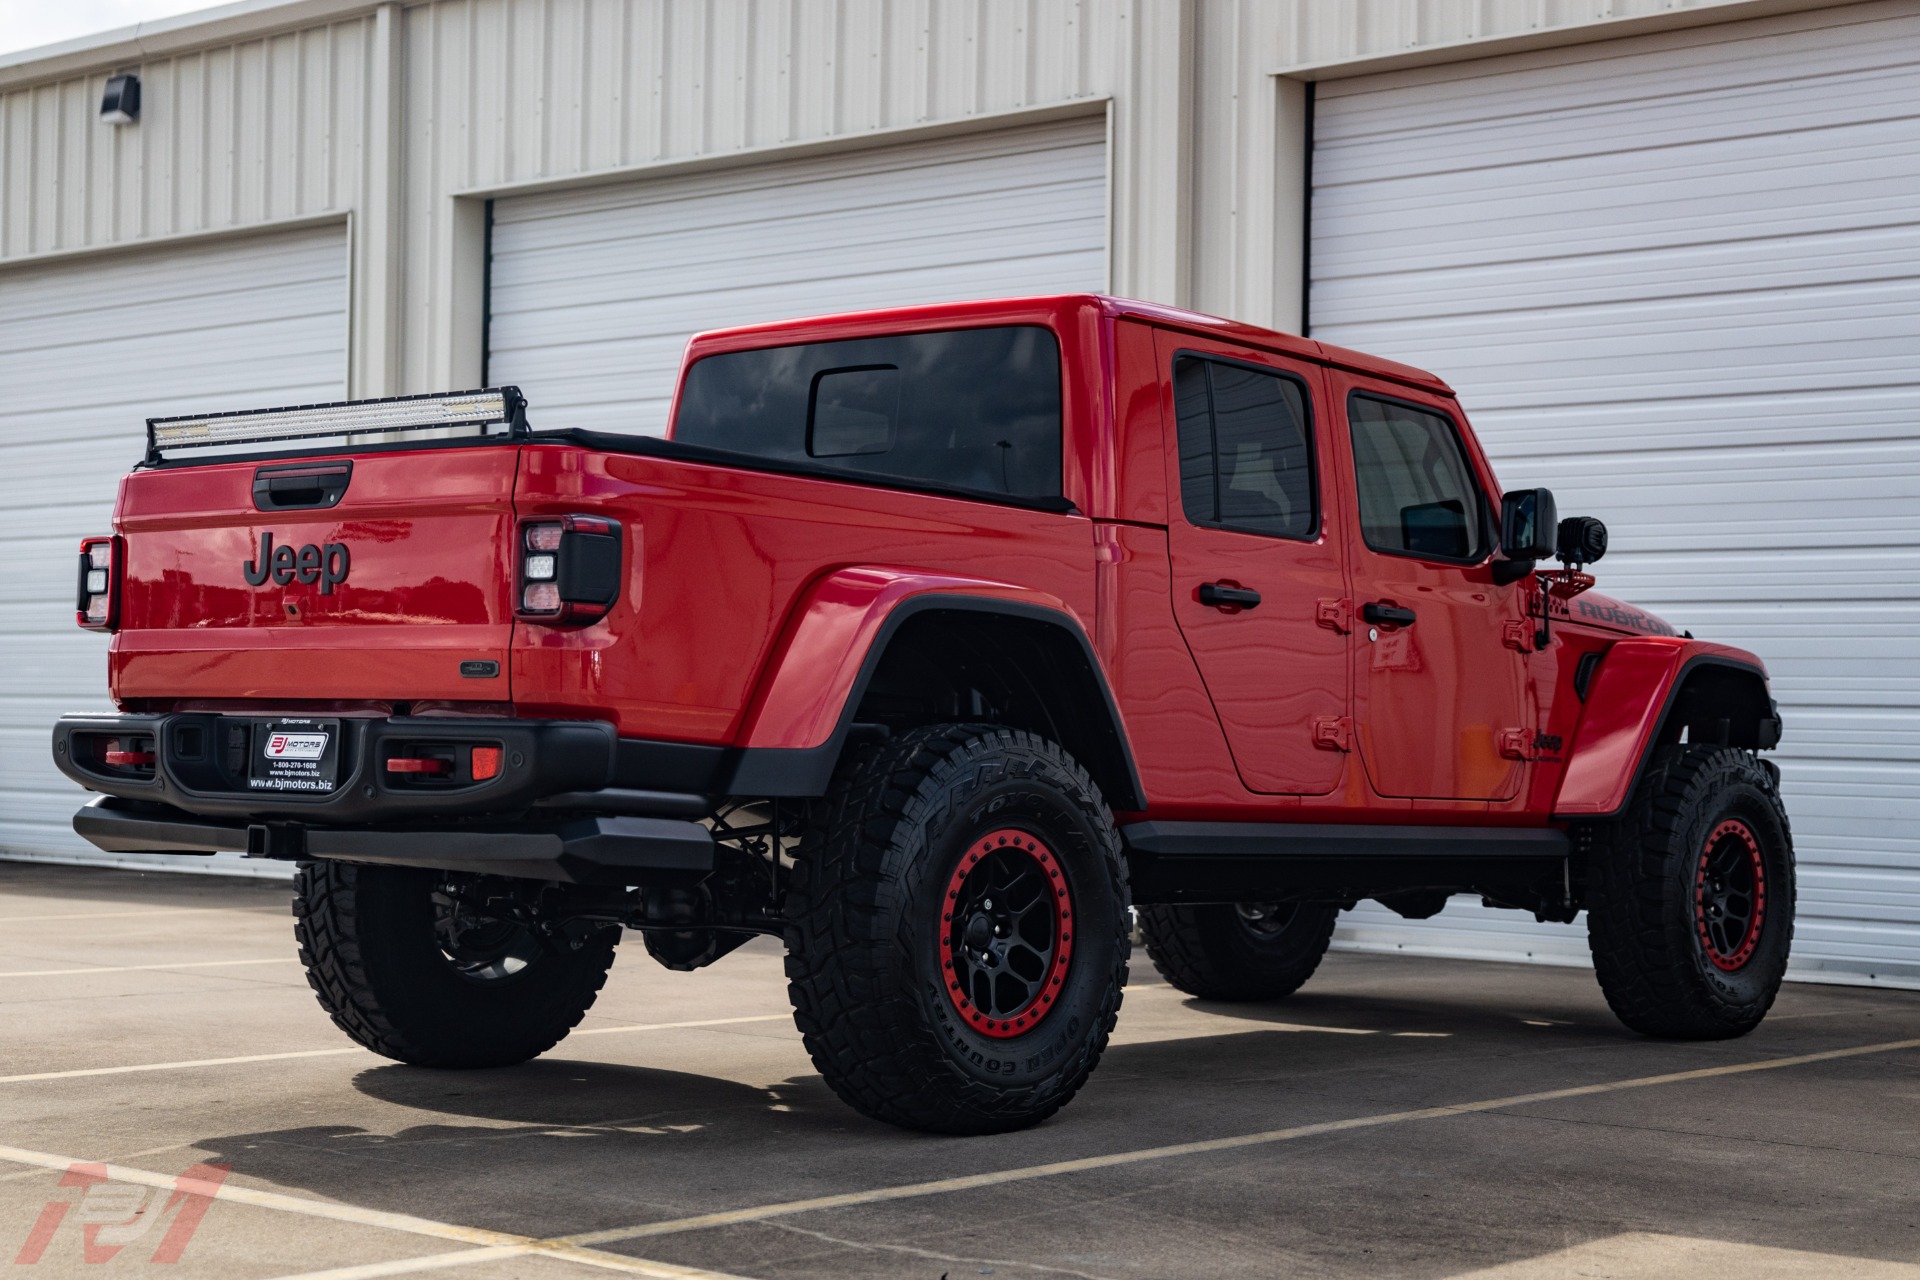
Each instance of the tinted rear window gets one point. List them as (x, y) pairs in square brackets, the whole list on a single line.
[(967, 409)]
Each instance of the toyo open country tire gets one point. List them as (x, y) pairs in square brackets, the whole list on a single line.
[(1690, 898), (957, 930), (1238, 952), (382, 958)]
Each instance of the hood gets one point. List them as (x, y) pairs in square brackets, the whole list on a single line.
[(1596, 609)]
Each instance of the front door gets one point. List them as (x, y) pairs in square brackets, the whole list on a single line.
[(1439, 685), (1258, 578)]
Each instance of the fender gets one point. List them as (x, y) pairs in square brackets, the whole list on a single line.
[(1625, 717), (798, 718)]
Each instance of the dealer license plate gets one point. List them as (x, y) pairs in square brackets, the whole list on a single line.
[(295, 755)]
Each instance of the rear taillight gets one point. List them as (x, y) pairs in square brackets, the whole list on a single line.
[(569, 570), (97, 605)]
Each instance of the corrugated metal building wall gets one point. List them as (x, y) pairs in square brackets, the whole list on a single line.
[(397, 123), (284, 108), (1672, 276), (230, 136)]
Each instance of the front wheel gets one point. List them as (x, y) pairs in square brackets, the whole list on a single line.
[(957, 930), (1690, 902), (407, 967)]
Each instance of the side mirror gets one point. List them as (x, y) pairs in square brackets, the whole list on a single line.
[(1581, 540), (1527, 524)]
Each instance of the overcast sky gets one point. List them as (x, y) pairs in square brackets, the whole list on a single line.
[(25, 24)]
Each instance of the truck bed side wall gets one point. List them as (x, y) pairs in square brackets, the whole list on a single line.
[(719, 560)]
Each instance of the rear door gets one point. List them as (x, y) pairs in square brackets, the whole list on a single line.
[(249, 581), (1258, 578), (1438, 677)]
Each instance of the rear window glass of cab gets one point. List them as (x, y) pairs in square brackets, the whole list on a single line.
[(971, 409)]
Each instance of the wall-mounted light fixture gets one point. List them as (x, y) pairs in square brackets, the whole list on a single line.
[(121, 102)]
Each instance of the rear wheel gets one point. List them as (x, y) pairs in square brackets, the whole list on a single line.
[(1244, 951), (1690, 903), (957, 931), (412, 971)]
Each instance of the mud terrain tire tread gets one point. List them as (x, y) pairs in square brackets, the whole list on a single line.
[(851, 933), (1639, 917), (371, 980), (1207, 952)]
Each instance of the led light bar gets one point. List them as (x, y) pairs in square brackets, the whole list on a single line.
[(479, 409)]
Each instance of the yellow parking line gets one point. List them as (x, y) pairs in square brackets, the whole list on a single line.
[(79, 1072), (156, 912), (680, 1026), (495, 1253), (176, 1066), (942, 1186), (411, 1266), (141, 968)]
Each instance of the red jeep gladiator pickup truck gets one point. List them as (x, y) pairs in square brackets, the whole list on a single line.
[(929, 641)]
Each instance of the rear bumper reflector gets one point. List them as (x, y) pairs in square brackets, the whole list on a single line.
[(421, 764), (486, 763)]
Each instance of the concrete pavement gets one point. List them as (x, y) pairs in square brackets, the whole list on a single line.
[(1397, 1117)]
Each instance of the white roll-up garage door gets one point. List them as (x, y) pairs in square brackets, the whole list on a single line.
[(1677, 279), (594, 292), (89, 349)]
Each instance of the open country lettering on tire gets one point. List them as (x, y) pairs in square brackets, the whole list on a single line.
[(931, 642)]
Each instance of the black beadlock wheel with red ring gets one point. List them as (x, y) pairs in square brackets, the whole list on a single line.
[(1008, 934), (1730, 895), (1690, 896), (957, 929)]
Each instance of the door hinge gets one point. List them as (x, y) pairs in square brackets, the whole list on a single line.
[(1336, 614), (1333, 733), (1514, 743), (1517, 634)]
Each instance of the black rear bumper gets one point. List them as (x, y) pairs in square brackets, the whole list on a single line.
[(192, 769), (552, 812)]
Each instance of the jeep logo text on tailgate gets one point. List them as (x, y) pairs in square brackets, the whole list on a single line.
[(326, 565)]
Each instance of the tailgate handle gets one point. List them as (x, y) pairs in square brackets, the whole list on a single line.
[(295, 485)]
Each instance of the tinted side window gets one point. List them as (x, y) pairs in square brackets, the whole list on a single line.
[(968, 409), (1417, 493), (1246, 453)]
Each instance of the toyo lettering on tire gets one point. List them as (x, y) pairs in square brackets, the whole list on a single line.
[(1690, 896), (957, 929)]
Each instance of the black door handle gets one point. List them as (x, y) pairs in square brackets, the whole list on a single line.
[(301, 484), (1218, 593), (1387, 615)]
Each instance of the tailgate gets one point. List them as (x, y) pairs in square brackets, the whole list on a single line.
[(397, 587)]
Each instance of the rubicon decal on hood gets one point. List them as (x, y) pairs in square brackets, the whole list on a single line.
[(1609, 614), (326, 564), (1604, 611)]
